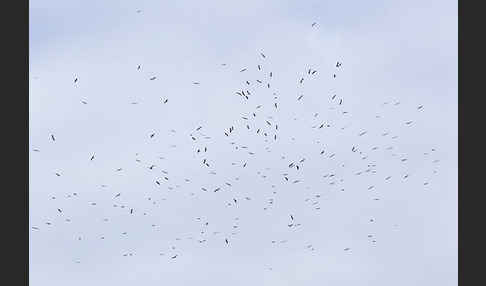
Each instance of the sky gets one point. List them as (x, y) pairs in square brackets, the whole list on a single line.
[(378, 208)]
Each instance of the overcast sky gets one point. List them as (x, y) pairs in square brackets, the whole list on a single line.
[(396, 218)]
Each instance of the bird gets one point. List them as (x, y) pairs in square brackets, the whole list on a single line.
[(92, 157), (153, 78), (53, 138)]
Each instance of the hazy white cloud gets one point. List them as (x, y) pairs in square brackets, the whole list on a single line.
[(397, 51)]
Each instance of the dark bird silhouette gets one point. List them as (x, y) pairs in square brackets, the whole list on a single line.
[(153, 78), (52, 137)]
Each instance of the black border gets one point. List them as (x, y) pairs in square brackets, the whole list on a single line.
[(15, 134)]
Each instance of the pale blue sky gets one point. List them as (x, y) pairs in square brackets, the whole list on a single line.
[(392, 51)]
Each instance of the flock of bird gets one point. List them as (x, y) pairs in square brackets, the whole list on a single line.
[(261, 123)]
